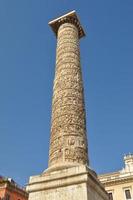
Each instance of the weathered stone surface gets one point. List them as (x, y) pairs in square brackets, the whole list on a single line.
[(68, 142), (67, 177), (75, 183)]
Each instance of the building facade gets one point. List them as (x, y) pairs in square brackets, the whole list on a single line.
[(119, 185), (9, 190)]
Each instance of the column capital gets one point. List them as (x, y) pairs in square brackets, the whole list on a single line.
[(70, 17)]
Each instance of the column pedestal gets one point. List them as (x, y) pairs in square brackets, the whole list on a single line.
[(75, 183)]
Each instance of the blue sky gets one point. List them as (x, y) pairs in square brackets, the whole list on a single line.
[(27, 62)]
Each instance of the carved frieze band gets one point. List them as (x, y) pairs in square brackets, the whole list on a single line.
[(68, 123)]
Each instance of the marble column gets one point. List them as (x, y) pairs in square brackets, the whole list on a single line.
[(68, 175), (68, 144)]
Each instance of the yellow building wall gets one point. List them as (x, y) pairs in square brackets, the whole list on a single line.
[(118, 190)]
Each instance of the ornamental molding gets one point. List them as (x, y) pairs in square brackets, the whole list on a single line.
[(116, 181), (71, 18)]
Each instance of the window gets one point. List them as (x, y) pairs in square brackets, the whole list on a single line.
[(128, 194), (110, 196)]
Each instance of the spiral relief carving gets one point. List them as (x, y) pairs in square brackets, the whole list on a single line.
[(68, 143)]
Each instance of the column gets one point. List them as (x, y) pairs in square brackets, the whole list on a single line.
[(68, 143)]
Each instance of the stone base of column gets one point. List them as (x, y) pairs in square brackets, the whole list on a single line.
[(75, 183)]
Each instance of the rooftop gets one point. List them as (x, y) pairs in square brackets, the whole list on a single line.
[(126, 174), (12, 183)]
